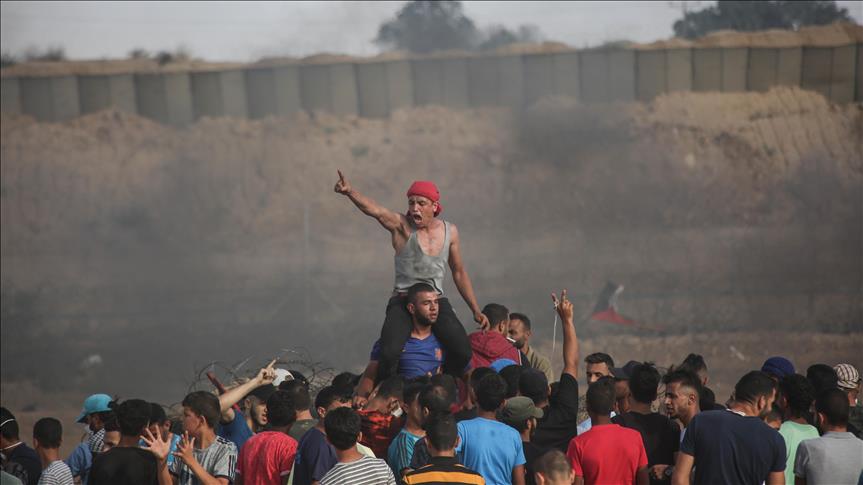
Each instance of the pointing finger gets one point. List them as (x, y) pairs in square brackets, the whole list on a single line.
[(341, 177)]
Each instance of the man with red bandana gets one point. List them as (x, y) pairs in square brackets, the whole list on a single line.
[(424, 246)]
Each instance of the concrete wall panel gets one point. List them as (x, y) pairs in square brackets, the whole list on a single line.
[(734, 62), (343, 83), (859, 85), (511, 75), (539, 77), (372, 90), (788, 66), (621, 75), (287, 83), (272, 91), (817, 69), (219, 93), (763, 68), (400, 85), (651, 71), (594, 76), (103, 92), (233, 85), (484, 81), (707, 69), (842, 85), (50, 98), (679, 63), (566, 74), (315, 88), (166, 98), (428, 81), (456, 90), (10, 95)]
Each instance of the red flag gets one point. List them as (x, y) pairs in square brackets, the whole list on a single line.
[(606, 306)]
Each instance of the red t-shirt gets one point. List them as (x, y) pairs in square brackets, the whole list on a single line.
[(607, 453), (266, 457), (379, 429)]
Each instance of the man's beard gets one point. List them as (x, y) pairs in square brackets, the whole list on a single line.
[(519, 344), (425, 321)]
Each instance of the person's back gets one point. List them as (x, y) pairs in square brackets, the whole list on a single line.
[(443, 466), (20, 460), (268, 457), (835, 457), (47, 437), (342, 428), (660, 435), (607, 453), (124, 465), (794, 434), (489, 346)]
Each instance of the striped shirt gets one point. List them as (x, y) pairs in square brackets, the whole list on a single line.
[(401, 451), (57, 473), (365, 471), (444, 469), (219, 460)]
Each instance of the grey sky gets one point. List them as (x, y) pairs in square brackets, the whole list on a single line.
[(245, 31)]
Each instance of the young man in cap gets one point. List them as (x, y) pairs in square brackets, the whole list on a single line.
[(835, 457), (424, 246), (47, 437), (234, 425), (443, 467), (95, 413), (19, 459), (521, 414), (849, 382)]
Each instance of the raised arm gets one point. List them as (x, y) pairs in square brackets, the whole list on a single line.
[(387, 218), (232, 396), (461, 278), (570, 341)]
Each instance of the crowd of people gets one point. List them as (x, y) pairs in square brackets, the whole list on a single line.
[(435, 405), (499, 421)]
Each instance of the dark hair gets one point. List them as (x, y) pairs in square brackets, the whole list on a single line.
[(418, 288), (833, 404), (686, 378), (441, 431), (113, 425), (554, 465), (772, 415), (599, 358), (491, 392), (753, 385), (299, 393), (133, 415), (9, 430), (496, 313), (707, 399), (157, 414), (822, 377), (346, 382), (532, 383), (600, 396), (392, 386), (447, 382), (436, 399), (798, 392), (477, 374), (694, 363), (343, 427), (327, 396), (105, 416), (49, 432), (511, 374), (522, 317), (413, 388), (204, 404), (280, 409), (643, 382)]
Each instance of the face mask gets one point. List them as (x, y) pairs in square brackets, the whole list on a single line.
[(398, 412)]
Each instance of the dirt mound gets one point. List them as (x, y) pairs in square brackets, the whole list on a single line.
[(833, 35)]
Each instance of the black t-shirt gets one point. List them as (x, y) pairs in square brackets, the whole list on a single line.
[(661, 437), (124, 465), (532, 452), (730, 448), (29, 461), (560, 418)]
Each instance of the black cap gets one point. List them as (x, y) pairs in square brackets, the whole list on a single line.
[(623, 373)]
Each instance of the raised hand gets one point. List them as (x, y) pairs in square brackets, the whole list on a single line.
[(563, 306), (482, 320), (185, 449), (342, 186), (156, 445), (267, 374)]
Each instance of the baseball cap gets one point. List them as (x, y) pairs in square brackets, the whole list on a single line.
[(848, 376), (97, 403), (516, 410), (778, 367), (499, 364), (623, 373)]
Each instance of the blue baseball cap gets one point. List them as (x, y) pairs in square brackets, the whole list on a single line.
[(778, 367), (501, 363), (97, 403)]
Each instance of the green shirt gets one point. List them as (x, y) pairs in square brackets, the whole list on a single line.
[(793, 434), (540, 362)]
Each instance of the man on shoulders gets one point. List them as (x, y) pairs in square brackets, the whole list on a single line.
[(520, 332)]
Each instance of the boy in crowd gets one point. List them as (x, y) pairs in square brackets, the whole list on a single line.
[(794, 400), (835, 457), (201, 456), (488, 446), (126, 462), (553, 468), (47, 437), (342, 426), (520, 413), (315, 457), (19, 460), (660, 435), (161, 425), (401, 449), (560, 415), (735, 445), (267, 457), (442, 437), (437, 398), (607, 453)]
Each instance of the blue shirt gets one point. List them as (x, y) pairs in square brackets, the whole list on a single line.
[(401, 451), (314, 458), (420, 357), (80, 461), (237, 431), (490, 448), (172, 447)]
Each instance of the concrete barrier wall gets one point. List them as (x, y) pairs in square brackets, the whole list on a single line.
[(376, 89)]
